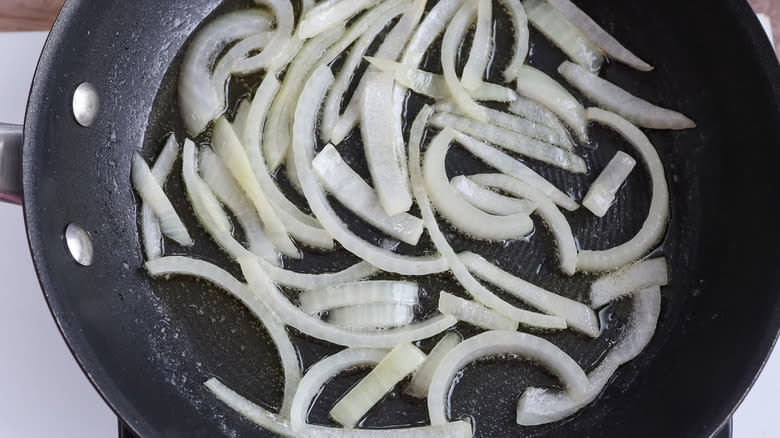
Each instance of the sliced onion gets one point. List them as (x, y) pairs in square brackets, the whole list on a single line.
[(392, 188), (512, 141), (241, 116), (536, 85), (494, 343), (606, 42), (453, 36), (520, 27), (358, 293), (421, 380), (284, 17), (472, 286), (481, 50), (224, 67), (292, 173), (549, 20), (516, 124), (371, 317), (198, 99), (541, 406), (301, 281), (490, 201), (349, 188), (153, 195), (474, 313), (577, 315), (227, 190), (552, 216), (434, 23), (615, 99), (400, 362), (528, 109), (639, 276), (150, 226), (329, 14), (197, 268), (602, 192), (508, 165), (653, 228), (454, 207), (262, 417), (303, 145)]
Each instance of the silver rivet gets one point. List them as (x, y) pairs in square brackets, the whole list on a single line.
[(86, 104), (79, 244)]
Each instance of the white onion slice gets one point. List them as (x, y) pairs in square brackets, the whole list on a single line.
[(606, 42), (552, 216), (653, 228), (285, 21), (197, 268), (224, 67), (249, 410), (514, 168), (150, 226), (494, 343), (479, 292), (329, 14), (230, 151), (474, 313), (490, 201), (198, 99), (480, 51), (376, 107), (227, 190), (602, 192), (400, 362), (421, 380), (433, 85), (639, 276), (371, 317), (530, 110), (357, 293), (541, 406), (153, 195), (303, 146), (537, 86), (577, 315), (453, 36), (512, 141), (338, 178), (241, 117), (434, 23), (454, 207), (520, 26), (301, 281), (516, 124), (549, 20), (613, 98)]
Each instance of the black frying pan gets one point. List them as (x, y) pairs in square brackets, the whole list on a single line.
[(148, 345)]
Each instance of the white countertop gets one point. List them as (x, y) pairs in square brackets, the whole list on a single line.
[(44, 393)]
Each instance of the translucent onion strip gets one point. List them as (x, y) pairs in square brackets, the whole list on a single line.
[(153, 195), (512, 141), (578, 316), (285, 21), (602, 192), (639, 276), (495, 343), (338, 178), (479, 292), (150, 226), (480, 52), (653, 228), (613, 98), (224, 67), (421, 380), (541, 406), (606, 42), (552, 216), (490, 201), (371, 317), (474, 313), (301, 281), (328, 14), (520, 27), (197, 268), (508, 165), (549, 20), (303, 146), (400, 362), (536, 85), (249, 410), (453, 36), (430, 28), (528, 109), (357, 293)]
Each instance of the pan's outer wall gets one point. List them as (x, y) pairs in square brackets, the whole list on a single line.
[(75, 174)]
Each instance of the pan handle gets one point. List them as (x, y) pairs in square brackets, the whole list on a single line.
[(11, 163)]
